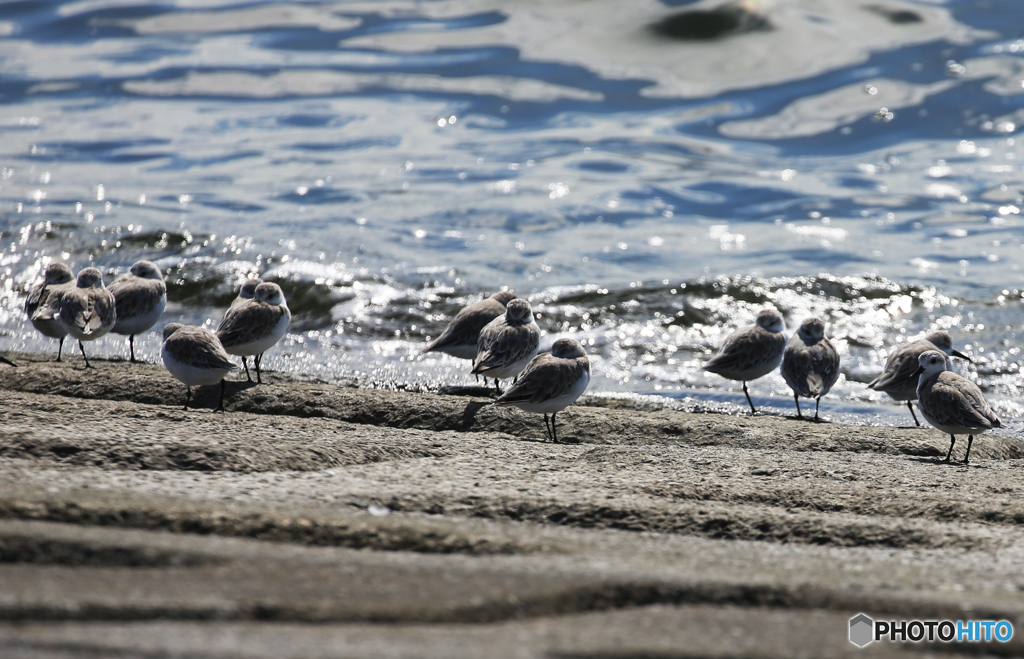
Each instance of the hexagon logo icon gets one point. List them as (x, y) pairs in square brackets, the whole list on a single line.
[(862, 630)]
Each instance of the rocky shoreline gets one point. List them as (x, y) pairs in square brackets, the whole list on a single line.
[(318, 519)]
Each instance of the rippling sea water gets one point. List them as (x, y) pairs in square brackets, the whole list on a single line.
[(389, 162)]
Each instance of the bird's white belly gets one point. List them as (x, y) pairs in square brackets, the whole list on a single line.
[(465, 351), (263, 343), (139, 324), (558, 404), (510, 370), (51, 328), (191, 375)]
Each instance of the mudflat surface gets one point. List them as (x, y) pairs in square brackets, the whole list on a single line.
[(321, 520)]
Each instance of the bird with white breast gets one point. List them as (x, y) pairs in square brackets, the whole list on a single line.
[(141, 297), (951, 402), (551, 382), (507, 343), (56, 279), (257, 325)]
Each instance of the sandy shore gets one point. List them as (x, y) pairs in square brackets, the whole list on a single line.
[(323, 520)]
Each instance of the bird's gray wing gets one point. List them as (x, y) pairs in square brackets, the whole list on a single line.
[(250, 322), (135, 298), (544, 378), (500, 345), (745, 349), (955, 402), (465, 328)]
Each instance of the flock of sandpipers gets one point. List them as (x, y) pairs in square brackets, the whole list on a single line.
[(501, 338)]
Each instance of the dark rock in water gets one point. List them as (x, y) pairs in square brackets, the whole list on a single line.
[(704, 25), (897, 16)]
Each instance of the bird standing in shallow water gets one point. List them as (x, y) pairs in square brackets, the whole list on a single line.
[(810, 363), (56, 280), (195, 357), (257, 325), (551, 382), (951, 402), (898, 379), (751, 352), (141, 296), (508, 343)]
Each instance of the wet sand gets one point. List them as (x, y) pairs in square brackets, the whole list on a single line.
[(321, 520)]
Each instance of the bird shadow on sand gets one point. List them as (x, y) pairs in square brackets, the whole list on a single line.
[(470, 412), (470, 390), (208, 396), (940, 461)]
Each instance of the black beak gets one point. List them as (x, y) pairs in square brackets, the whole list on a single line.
[(957, 353), (918, 372)]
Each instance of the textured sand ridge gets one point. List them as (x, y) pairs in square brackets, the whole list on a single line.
[(317, 520)]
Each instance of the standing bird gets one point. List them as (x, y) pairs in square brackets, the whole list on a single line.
[(459, 339), (141, 296), (4, 360), (57, 279), (507, 343), (86, 311), (751, 352), (551, 382), (899, 379), (245, 293), (256, 326), (951, 402), (195, 357), (810, 363)]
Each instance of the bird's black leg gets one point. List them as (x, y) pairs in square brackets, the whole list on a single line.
[(911, 406), (554, 428), (60, 346), (258, 358), (952, 437), (223, 384), (816, 404), (798, 412), (497, 387), (747, 394), (82, 348), (245, 364), (131, 347), (188, 396), (970, 440), (547, 426)]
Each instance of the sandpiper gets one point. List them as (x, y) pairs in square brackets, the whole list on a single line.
[(256, 326), (86, 311), (141, 296), (507, 343), (810, 363), (246, 292), (195, 357), (551, 382), (951, 402), (898, 379), (459, 338), (57, 279), (751, 352)]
